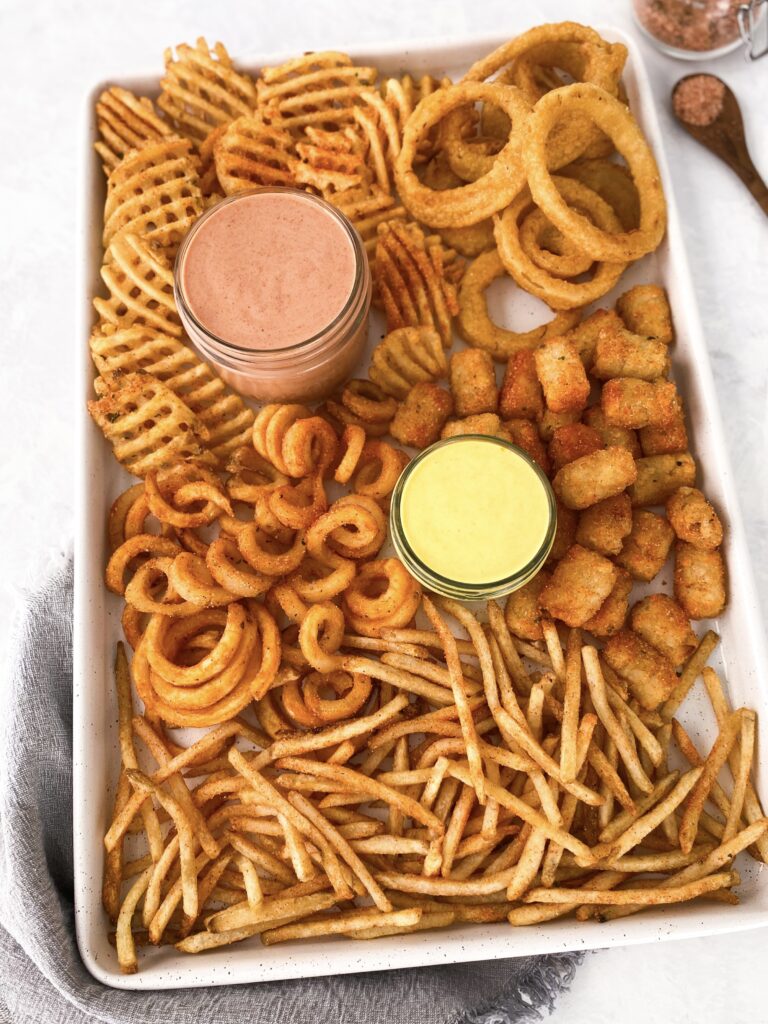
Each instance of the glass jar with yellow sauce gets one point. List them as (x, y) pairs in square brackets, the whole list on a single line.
[(473, 517)]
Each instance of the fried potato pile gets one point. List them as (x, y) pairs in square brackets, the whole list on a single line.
[(368, 759)]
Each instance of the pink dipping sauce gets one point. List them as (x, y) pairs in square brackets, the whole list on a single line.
[(274, 288), (268, 271)]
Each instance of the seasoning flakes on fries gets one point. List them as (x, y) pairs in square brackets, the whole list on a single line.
[(368, 759)]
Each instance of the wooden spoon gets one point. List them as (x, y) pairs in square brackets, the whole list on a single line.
[(724, 136)]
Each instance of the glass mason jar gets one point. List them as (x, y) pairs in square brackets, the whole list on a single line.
[(459, 589), (696, 29), (307, 371)]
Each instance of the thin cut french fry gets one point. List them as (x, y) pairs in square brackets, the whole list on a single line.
[(741, 776), (651, 896), (715, 760), (691, 672), (571, 700)]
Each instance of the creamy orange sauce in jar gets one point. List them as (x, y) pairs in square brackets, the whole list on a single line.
[(273, 287)]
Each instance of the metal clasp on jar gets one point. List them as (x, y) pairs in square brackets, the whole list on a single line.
[(750, 19)]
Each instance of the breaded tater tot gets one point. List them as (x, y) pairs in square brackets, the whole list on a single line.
[(699, 581), (651, 676), (603, 527), (595, 477), (522, 610), (660, 621), (571, 442), (620, 353), (562, 375), (565, 531), (483, 423), (473, 382), (549, 421), (645, 310), (420, 418), (646, 548), (580, 584), (620, 437), (524, 434), (585, 334), (694, 520), (521, 396), (612, 614), (672, 437), (628, 402), (659, 476)]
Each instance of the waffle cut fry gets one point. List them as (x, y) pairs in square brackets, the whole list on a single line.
[(139, 280), (402, 96), (249, 152), (225, 416), (412, 281), (125, 122), (318, 88), (332, 161), (408, 356), (148, 426), (368, 209), (201, 89), (154, 192)]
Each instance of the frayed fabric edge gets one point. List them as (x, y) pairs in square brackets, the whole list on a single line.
[(535, 989)]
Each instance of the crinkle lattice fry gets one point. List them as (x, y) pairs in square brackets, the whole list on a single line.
[(367, 209), (226, 417), (147, 425), (402, 95), (250, 152), (140, 283), (318, 88), (332, 161), (412, 281), (125, 122), (155, 192), (201, 89), (405, 357)]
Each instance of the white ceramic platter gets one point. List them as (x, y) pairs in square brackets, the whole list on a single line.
[(742, 653)]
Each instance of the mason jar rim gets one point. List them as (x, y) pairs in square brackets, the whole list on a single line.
[(308, 345), (458, 588)]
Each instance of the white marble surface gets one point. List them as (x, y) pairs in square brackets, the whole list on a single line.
[(54, 51)]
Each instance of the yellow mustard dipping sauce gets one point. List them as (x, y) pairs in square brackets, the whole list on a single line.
[(475, 511)]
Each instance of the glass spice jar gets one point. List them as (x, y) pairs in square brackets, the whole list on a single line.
[(696, 29)]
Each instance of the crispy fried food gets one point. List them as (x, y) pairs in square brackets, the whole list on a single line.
[(201, 89), (220, 410), (410, 277), (475, 325), (562, 376), (660, 621), (315, 89), (521, 396), (620, 353), (420, 418), (666, 440), (473, 382), (139, 280), (646, 548), (585, 334), (630, 403), (595, 477), (580, 583), (700, 584), (154, 192), (367, 208), (522, 612), (614, 183), (694, 520), (125, 122), (618, 437), (334, 161), (571, 441), (487, 423), (523, 433), (605, 526), (659, 476), (612, 613), (405, 357), (250, 152), (147, 425), (565, 532), (651, 676), (645, 310)]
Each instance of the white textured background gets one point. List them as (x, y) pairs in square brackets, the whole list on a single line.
[(54, 49)]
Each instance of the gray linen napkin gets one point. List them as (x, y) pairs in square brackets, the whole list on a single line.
[(42, 978)]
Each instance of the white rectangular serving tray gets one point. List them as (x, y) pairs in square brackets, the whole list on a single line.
[(742, 653)]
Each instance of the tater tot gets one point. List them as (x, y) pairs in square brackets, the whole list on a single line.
[(473, 382), (594, 477), (619, 437), (549, 421), (672, 437), (565, 532), (603, 526), (562, 375), (524, 434), (521, 396), (571, 442), (522, 610), (646, 548), (699, 581), (651, 676), (645, 310), (580, 583), (661, 622), (628, 402), (420, 418), (584, 335), (694, 520), (659, 476), (620, 353), (484, 423), (612, 614)]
